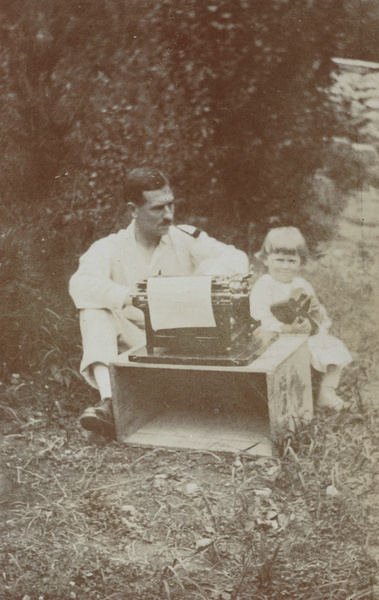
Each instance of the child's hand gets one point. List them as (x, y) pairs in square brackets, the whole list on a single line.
[(301, 325)]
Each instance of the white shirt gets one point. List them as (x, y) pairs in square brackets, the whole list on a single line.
[(109, 270), (267, 291)]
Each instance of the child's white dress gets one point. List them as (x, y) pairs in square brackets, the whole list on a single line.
[(325, 349)]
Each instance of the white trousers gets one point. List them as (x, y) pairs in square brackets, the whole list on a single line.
[(105, 334)]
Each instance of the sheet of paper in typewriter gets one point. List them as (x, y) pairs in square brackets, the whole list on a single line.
[(176, 302)]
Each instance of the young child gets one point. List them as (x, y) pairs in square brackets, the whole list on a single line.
[(283, 252)]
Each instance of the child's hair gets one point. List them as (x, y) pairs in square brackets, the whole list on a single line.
[(288, 240)]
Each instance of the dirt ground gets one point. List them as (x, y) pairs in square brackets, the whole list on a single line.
[(97, 521)]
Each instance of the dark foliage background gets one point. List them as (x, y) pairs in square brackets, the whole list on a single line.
[(228, 98)]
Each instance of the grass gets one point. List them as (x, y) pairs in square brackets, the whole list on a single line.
[(104, 522), (111, 522)]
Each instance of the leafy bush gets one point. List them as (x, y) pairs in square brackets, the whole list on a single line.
[(231, 103), (227, 98), (37, 325)]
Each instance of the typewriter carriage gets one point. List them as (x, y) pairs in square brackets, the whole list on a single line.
[(229, 342)]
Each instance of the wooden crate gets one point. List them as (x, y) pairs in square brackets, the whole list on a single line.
[(234, 409)]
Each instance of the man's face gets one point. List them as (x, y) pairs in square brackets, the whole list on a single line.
[(155, 216)]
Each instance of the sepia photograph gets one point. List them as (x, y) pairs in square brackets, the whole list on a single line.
[(189, 275)]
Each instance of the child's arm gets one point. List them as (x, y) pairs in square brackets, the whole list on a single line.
[(260, 309), (316, 310), (260, 302)]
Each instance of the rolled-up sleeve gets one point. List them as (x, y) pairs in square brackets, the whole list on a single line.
[(211, 257), (91, 286)]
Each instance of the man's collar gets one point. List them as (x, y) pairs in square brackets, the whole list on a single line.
[(130, 234)]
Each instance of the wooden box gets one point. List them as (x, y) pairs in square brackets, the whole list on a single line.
[(235, 409)]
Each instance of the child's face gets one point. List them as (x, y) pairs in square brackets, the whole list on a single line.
[(283, 267)]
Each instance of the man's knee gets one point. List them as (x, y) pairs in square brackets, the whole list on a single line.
[(106, 331)]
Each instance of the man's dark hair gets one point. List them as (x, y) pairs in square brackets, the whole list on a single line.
[(143, 179)]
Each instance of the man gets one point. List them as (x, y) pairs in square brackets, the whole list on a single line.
[(103, 286)]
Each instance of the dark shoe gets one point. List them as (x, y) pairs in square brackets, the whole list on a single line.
[(100, 419)]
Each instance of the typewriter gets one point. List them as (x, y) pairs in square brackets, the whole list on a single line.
[(229, 342)]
